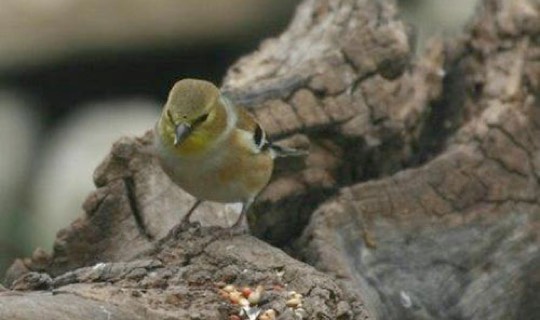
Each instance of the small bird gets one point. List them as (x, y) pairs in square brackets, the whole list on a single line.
[(213, 149)]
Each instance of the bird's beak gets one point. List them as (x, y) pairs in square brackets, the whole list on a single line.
[(182, 131)]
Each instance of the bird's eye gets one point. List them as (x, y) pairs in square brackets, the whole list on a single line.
[(202, 118)]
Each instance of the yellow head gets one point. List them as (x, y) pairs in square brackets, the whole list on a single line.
[(192, 117)]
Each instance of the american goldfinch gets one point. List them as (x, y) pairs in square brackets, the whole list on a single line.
[(212, 149)]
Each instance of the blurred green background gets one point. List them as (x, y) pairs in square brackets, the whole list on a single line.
[(76, 75)]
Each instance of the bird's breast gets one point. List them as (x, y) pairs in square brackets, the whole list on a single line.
[(224, 174)]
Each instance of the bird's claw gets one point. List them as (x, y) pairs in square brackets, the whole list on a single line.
[(236, 230), (184, 225)]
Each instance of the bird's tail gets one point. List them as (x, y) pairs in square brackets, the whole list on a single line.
[(281, 151)]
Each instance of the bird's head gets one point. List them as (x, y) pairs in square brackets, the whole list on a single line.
[(190, 106)]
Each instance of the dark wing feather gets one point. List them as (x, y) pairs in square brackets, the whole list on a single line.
[(248, 123)]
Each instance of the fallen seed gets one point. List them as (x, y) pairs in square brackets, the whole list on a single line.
[(256, 295), (291, 294), (243, 302), (229, 288), (235, 297), (293, 303), (269, 314), (246, 291)]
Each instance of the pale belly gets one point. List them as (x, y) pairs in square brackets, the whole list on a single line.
[(227, 179)]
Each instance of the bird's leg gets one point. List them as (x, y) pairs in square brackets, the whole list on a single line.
[(185, 219), (184, 223), (245, 207)]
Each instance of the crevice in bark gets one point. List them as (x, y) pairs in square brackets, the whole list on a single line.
[(134, 206), (444, 118)]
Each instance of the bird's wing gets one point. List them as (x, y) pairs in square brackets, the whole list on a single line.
[(247, 123), (245, 120)]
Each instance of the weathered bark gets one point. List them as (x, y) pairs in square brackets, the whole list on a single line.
[(120, 260), (323, 79), (420, 193), (179, 280), (457, 237)]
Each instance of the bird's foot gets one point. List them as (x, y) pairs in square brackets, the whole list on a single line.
[(183, 226), (237, 229)]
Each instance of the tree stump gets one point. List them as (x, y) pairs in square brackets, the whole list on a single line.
[(419, 198)]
